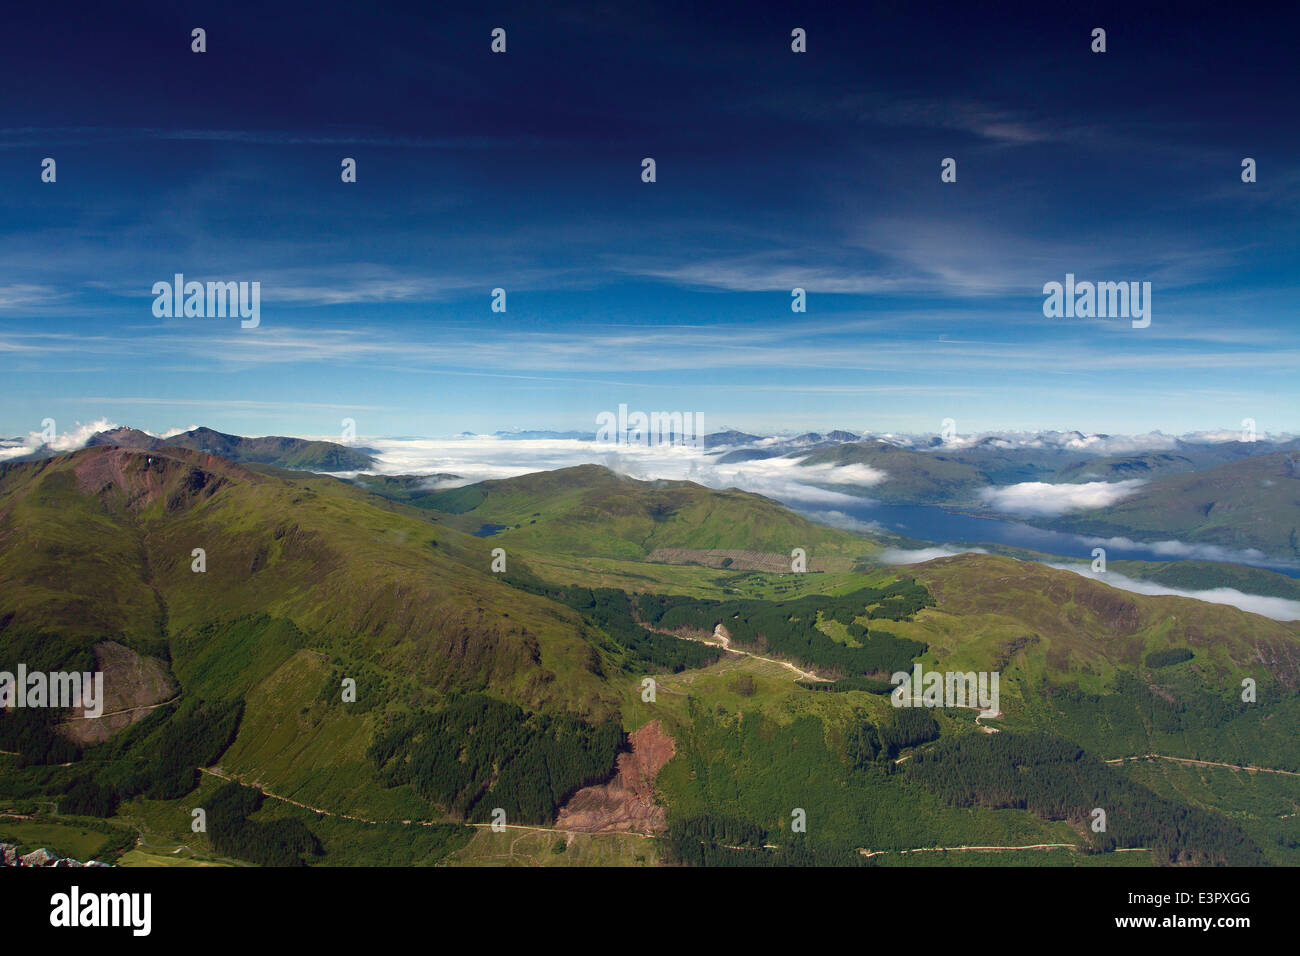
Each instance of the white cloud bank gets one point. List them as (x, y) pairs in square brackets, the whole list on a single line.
[(917, 555), (71, 440), (480, 457), (855, 474), (66, 441), (1074, 441), (838, 519), (1196, 552), (1040, 499)]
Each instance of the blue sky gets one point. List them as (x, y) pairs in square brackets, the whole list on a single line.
[(522, 171)]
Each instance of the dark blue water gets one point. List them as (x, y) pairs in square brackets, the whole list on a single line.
[(487, 530), (932, 524)]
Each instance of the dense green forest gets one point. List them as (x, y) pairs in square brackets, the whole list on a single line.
[(848, 784), (29, 732), (786, 628), (610, 610), (737, 779), (870, 685), (279, 842), (790, 628), (714, 840), (475, 754), (158, 757), (1056, 779), (1190, 714)]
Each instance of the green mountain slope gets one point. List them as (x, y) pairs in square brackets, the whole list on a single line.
[(1124, 467), (1084, 630), (306, 583), (1250, 503), (476, 690), (590, 510), (1205, 575), (912, 477), (101, 541)]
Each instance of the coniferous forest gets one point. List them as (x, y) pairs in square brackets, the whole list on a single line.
[(476, 754)]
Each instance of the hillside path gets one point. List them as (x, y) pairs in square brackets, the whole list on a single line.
[(409, 823), (724, 641), (1204, 763)]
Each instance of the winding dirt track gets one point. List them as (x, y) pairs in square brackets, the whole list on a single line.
[(723, 640), (409, 823), (1053, 846), (867, 853), (127, 710), (1204, 763), (644, 836), (325, 813), (947, 849)]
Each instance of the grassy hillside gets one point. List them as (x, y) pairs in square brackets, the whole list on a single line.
[(1124, 467), (100, 542), (590, 510), (1076, 659), (478, 690), (1204, 575), (1073, 656), (913, 477), (307, 582)]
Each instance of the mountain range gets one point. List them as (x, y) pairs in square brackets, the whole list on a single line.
[(365, 672), (292, 453)]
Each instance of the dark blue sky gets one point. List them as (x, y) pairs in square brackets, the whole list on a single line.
[(522, 171)]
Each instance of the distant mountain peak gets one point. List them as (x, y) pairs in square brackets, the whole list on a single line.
[(730, 437), (298, 454), (124, 437)]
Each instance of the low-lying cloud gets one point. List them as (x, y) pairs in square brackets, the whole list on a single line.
[(70, 440), (855, 474), (480, 457), (1040, 499), (838, 519), (1182, 550), (917, 555)]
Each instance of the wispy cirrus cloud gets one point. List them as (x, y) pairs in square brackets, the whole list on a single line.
[(766, 272), (457, 342), (22, 296)]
